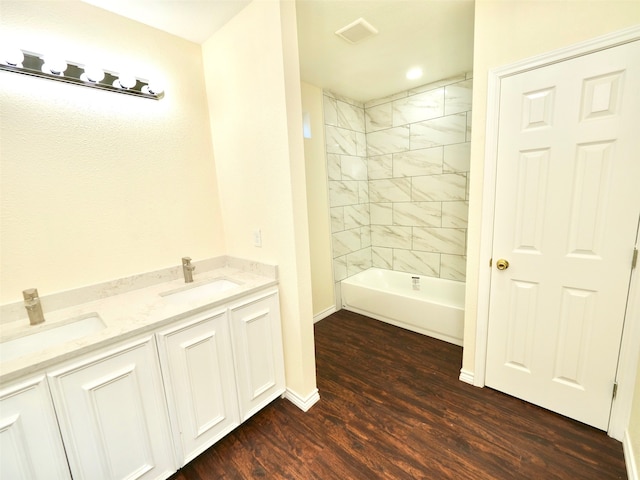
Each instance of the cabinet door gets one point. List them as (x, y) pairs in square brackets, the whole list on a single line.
[(199, 378), (257, 340), (30, 443), (113, 415)]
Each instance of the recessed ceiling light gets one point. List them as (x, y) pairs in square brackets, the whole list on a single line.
[(414, 73)]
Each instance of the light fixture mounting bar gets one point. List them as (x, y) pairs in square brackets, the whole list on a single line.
[(33, 65)]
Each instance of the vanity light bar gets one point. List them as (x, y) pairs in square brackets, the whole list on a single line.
[(87, 75)]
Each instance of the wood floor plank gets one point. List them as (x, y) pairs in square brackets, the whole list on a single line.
[(392, 407)]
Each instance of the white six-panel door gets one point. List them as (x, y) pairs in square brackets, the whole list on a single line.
[(566, 212)]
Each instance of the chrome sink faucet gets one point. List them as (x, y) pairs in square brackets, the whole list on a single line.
[(187, 269), (33, 306)]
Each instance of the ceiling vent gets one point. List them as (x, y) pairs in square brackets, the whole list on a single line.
[(357, 31)]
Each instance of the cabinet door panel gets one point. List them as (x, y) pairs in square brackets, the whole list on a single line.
[(30, 443), (113, 416), (258, 352), (197, 363)]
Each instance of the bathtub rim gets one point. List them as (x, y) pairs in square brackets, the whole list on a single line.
[(444, 311), (459, 305)]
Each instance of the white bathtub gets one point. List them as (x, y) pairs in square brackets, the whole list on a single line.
[(435, 309)]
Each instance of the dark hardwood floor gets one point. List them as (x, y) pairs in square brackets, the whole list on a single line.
[(392, 407)]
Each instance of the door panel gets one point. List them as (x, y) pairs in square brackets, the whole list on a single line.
[(256, 331), (30, 443), (197, 362), (567, 207), (112, 414)]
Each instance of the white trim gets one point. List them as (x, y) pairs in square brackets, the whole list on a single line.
[(324, 314), (466, 376), (627, 361), (303, 404), (630, 345), (633, 473)]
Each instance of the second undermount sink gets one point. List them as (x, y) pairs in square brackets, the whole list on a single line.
[(200, 291), (49, 335)]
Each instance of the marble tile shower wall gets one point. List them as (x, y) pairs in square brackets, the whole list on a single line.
[(398, 188), (347, 170)]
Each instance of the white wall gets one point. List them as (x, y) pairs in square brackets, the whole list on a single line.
[(96, 185), (317, 203), (253, 85)]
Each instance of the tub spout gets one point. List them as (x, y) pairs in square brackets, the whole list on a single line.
[(33, 306), (187, 269)]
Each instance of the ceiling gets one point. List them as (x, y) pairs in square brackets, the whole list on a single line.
[(194, 20), (436, 35)]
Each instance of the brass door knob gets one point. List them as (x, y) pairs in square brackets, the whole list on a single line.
[(502, 264)]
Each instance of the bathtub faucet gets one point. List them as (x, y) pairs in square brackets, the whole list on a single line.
[(187, 269), (33, 306)]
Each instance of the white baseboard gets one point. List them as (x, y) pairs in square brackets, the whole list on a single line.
[(303, 404), (324, 314), (466, 376), (629, 459)]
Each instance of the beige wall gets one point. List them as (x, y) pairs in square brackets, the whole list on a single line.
[(96, 185), (254, 94), (318, 204), (505, 32)]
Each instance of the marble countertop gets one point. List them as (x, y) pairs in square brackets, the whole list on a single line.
[(125, 315)]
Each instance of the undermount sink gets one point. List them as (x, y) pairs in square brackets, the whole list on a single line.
[(49, 335), (199, 291)]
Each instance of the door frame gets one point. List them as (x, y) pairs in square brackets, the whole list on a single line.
[(630, 345)]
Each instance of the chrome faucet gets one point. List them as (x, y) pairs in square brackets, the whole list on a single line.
[(33, 306), (187, 269)]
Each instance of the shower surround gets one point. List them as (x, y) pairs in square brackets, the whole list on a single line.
[(397, 177)]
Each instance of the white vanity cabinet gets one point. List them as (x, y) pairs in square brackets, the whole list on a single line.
[(112, 413), (145, 406), (220, 367), (197, 364), (257, 347), (30, 443)]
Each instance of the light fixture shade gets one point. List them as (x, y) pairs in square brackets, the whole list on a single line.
[(92, 73), (125, 80), (54, 64), (12, 56), (155, 87)]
